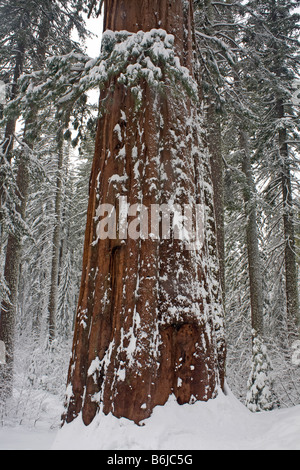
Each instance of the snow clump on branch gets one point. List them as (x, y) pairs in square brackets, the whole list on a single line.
[(128, 57)]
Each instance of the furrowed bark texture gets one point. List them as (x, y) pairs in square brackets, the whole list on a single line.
[(149, 322)]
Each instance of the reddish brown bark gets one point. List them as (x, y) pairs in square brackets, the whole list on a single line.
[(145, 326)]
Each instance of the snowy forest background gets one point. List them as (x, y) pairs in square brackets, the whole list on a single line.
[(249, 71)]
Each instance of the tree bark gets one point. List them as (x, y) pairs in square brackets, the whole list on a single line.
[(146, 324)]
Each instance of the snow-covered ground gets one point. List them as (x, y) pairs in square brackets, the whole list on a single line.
[(220, 424), (23, 438)]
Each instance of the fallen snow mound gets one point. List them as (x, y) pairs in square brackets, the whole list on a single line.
[(220, 424)]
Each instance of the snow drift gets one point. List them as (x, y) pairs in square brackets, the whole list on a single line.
[(220, 424)]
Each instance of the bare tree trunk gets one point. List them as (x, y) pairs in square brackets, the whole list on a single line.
[(146, 325), (254, 259)]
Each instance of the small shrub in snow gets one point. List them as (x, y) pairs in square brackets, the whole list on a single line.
[(259, 396)]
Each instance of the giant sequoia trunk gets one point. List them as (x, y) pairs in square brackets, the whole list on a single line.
[(149, 321)]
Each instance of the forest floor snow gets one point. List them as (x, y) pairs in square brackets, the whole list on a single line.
[(220, 424)]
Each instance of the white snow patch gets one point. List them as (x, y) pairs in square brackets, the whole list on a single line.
[(23, 438)]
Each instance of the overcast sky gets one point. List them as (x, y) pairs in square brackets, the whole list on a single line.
[(95, 25)]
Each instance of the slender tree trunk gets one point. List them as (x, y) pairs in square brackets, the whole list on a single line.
[(53, 299), (254, 259), (217, 170), (291, 275), (147, 323)]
